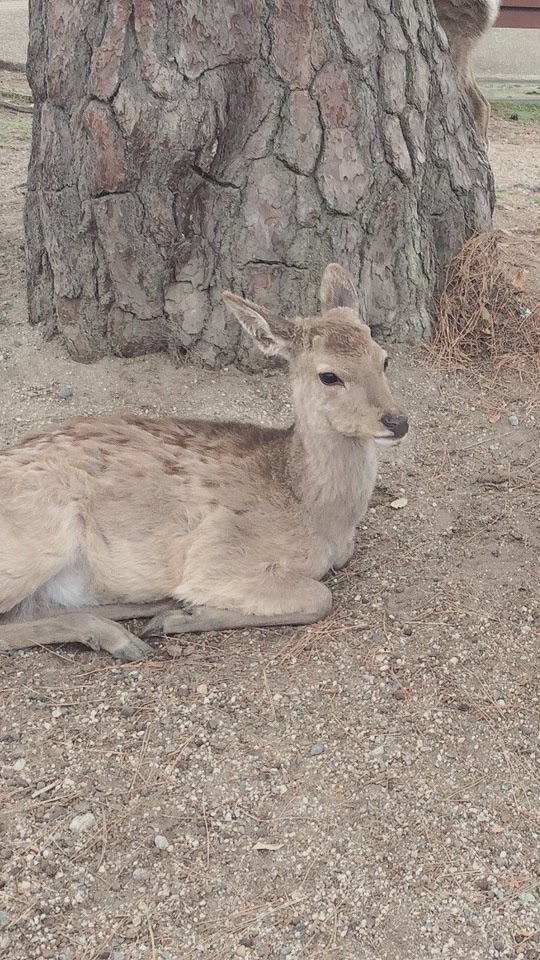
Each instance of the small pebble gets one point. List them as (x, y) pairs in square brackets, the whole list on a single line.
[(175, 650), (161, 842), (513, 420), (140, 873), (5, 918), (64, 393), (317, 749), (82, 822)]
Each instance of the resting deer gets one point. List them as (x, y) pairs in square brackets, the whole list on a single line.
[(113, 518), (465, 22)]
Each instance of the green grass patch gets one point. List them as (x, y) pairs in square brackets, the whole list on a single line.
[(516, 110), (15, 96), (14, 127)]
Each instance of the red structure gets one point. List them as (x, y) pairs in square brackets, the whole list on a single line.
[(519, 13)]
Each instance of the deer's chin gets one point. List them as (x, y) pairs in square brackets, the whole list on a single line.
[(387, 441)]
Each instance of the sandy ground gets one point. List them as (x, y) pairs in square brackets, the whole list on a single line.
[(364, 788)]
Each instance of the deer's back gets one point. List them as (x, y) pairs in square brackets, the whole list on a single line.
[(142, 467)]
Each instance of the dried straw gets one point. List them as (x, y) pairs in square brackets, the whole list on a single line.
[(484, 314)]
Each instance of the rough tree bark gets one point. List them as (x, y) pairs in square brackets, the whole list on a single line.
[(183, 148)]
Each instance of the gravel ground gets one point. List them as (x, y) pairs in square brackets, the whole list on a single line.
[(367, 787)]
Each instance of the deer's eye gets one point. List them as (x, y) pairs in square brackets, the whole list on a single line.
[(386, 362), (329, 378)]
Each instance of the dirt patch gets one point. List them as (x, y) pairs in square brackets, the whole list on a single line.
[(516, 161), (364, 788)]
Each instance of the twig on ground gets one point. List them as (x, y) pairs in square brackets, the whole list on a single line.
[(205, 818), (16, 107)]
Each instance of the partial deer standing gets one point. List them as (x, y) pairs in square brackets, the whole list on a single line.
[(465, 22), (236, 522)]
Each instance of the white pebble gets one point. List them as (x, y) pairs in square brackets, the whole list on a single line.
[(82, 822)]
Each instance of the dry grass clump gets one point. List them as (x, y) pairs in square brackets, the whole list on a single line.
[(484, 313)]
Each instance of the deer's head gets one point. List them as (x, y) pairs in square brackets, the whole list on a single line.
[(338, 370)]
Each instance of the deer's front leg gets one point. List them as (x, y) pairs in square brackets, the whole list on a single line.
[(232, 577), (298, 601)]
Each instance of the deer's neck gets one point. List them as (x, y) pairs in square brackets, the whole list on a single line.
[(334, 475)]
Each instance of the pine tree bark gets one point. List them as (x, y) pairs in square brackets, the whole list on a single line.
[(183, 148)]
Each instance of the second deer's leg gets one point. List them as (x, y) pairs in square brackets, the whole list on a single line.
[(480, 107)]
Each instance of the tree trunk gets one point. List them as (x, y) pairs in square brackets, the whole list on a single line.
[(183, 148)]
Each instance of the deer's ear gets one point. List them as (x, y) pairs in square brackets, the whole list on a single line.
[(337, 289), (273, 334)]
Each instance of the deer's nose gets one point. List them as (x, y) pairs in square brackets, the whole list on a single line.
[(396, 423)]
